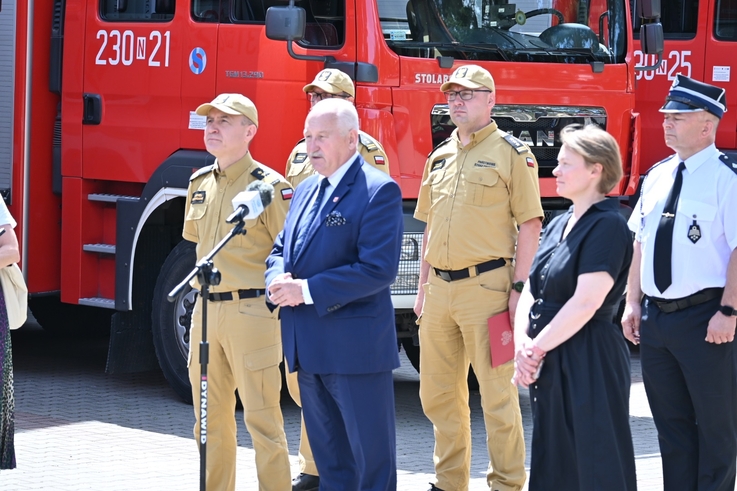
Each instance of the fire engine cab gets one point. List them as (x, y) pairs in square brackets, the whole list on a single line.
[(100, 136)]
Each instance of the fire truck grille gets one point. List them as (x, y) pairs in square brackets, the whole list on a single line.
[(537, 126), (409, 265)]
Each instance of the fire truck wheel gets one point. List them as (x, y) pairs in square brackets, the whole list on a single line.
[(171, 320)]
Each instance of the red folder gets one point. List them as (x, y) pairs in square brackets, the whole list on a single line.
[(501, 339)]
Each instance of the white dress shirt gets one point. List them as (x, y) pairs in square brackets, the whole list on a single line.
[(708, 197)]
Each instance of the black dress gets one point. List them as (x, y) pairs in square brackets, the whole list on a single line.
[(581, 438)]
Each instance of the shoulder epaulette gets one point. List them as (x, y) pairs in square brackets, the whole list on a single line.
[(438, 146), (729, 162), (202, 171), (266, 176), (658, 163), (368, 142), (517, 144)]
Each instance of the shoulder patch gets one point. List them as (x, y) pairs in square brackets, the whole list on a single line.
[(517, 144), (201, 172), (368, 142), (658, 163), (287, 193), (438, 146), (729, 162), (299, 158), (438, 164)]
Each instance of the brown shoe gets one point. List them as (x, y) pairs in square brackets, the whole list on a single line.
[(305, 482)]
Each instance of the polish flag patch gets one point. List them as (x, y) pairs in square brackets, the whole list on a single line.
[(379, 160), (287, 193), (530, 162)]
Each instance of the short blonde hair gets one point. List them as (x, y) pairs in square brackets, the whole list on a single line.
[(596, 146)]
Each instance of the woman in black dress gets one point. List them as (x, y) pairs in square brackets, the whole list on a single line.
[(568, 349)]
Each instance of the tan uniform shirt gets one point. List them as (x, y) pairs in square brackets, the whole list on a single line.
[(473, 197), (299, 167), (242, 261)]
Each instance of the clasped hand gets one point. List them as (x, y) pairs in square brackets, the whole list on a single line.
[(286, 291), (526, 363)]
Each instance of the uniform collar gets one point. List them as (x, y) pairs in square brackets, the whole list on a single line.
[(476, 136), (696, 160), (236, 169)]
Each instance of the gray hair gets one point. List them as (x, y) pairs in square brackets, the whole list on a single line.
[(344, 112)]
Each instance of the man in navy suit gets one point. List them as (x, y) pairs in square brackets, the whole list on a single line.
[(330, 272)]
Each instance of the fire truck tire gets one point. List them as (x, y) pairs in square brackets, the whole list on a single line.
[(70, 320), (413, 354), (170, 320)]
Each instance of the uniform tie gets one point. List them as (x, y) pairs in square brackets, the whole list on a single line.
[(304, 224), (664, 236)]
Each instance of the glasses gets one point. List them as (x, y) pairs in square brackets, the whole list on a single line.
[(466, 94), (318, 96)]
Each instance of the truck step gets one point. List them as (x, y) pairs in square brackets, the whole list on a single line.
[(108, 198), (104, 303), (101, 248)]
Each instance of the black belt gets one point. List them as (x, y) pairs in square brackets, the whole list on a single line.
[(461, 274), (241, 294), (674, 305)]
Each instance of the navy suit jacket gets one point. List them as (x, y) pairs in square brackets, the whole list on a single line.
[(350, 264)]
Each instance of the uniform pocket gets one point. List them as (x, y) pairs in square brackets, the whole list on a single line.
[(703, 214), (483, 187), (295, 169), (433, 181), (196, 212), (255, 307), (263, 358)]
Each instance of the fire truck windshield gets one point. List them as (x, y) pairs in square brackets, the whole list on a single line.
[(552, 31)]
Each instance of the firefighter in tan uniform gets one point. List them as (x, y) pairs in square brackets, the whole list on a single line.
[(244, 336), (478, 187), (328, 83)]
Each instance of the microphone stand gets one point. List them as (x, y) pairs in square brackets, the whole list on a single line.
[(207, 275)]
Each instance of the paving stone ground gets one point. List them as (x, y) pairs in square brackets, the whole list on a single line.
[(79, 429)]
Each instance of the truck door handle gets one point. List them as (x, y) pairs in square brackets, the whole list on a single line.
[(92, 109)]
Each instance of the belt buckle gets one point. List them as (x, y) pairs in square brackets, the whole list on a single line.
[(533, 316)]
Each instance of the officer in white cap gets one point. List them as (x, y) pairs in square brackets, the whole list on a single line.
[(682, 293)]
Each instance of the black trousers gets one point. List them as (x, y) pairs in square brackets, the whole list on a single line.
[(692, 389)]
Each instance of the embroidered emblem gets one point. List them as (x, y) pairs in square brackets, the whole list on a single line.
[(287, 193), (694, 231), (530, 162), (198, 197), (379, 160), (299, 158)]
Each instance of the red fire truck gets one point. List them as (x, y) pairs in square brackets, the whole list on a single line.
[(101, 138), (699, 37)]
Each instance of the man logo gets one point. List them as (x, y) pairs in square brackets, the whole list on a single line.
[(324, 76)]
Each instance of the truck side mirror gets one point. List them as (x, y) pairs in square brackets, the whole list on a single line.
[(285, 23), (648, 9), (651, 41)]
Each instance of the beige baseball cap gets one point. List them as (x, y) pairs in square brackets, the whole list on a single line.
[(235, 104), (332, 81), (471, 77)]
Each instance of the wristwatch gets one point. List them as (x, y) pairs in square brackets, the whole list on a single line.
[(518, 286), (728, 310)]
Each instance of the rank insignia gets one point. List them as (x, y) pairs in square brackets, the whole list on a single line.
[(379, 160), (198, 197), (694, 232), (258, 173), (438, 164), (287, 193), (299, 158)]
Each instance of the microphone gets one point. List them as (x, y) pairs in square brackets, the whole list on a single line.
[(250, 203)]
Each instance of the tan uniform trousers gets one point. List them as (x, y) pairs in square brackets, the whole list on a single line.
[(454, 331), (306, 460), (245, 350)]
